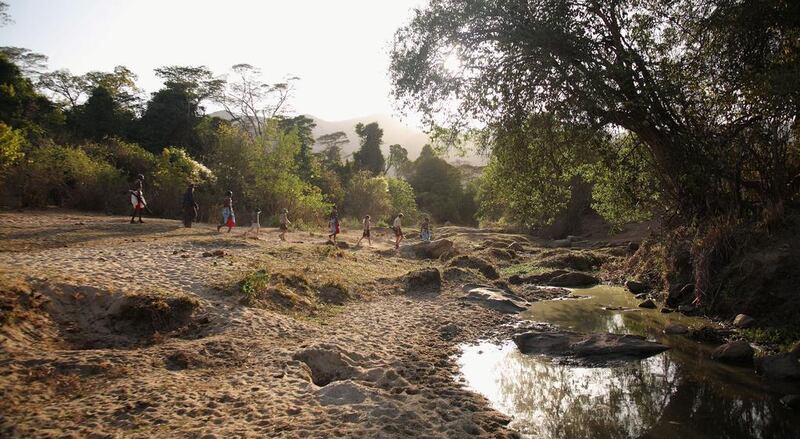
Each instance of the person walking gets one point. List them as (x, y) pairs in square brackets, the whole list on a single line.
[(284, 224), (366, 233), (228, 216), (398, 230), (137, 198), (333, 223), (189, 207), (425, 233)]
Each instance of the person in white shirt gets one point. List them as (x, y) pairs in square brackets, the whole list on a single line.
[(398, 230), (366, 233)]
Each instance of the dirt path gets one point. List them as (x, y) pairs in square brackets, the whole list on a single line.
[(379, 366)]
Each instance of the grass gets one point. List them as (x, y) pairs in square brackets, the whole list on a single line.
[(527, 268), (783, 338)]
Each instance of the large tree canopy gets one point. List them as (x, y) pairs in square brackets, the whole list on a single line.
[(704, 85)]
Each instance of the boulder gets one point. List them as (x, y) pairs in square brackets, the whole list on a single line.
[(515, 246), (791, 401), (494, 298), (636, 287), (735, 352), (648, 303), (743, 321), (426, 279), (780, 367), (676, 329), (592, 349), (480, 264), (538, 279), (428, 250), (573, 279)]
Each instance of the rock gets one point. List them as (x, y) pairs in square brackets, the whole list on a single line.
[(428, 250), (676, 329), (480, 264), (593, 348), (573, 279), (648, 303), (743, 321), (426, 279), (457, 273), (791, 401), (666, 310), (494, 298), (449, 331), (636, 287), (561, 243), (781, 367), (515, 246), (735, 352)]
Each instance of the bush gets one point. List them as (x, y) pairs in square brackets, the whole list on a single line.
[(11, 143), (367, 195), (173, 172), (401, 198), (69, 177)]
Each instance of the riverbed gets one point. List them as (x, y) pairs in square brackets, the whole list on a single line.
[(677, 394)]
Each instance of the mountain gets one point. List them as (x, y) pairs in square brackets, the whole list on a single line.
[(394, 132)]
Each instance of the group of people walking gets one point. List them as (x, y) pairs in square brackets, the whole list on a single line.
[(190, 210)]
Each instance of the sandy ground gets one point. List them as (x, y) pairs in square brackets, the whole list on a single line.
[(382, 365)]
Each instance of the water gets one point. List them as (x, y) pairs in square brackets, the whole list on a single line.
[(677, 394)]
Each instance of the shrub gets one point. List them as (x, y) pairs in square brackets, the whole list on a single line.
[(367, 195)]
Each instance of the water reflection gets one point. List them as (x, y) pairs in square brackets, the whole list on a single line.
[(677, 394)]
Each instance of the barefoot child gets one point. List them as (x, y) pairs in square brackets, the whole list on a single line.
[(137, 198), (365, 234), (284, 224), (333, 223), (425, 233), (398, 230), (228, 217)]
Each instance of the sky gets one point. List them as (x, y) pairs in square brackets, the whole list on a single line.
[(338, 48)]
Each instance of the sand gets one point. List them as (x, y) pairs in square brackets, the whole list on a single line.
[(382, 365)]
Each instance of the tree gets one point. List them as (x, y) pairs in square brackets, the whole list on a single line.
[(369, 157), (198, 82), (303, 127), (170, 119), (30, 63), (402, 200), (100, 117), (398, 159), (332, 147), (367, 195), (66, 87), (120, 84), (437, 185), (252, 102), (703, 85), (11, 144), (20, 106), (5, 17)]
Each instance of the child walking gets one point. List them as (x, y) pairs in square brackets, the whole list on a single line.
[(284, 224), (365, 234), (333, 223), (425, 233), (228, 217), (398, 230)]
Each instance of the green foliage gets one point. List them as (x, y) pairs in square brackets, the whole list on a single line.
[(173, 172), (402, 200), (369, 157), (437, 185), (170, 119), (11, 144), (302, 127), (130, 158), (101, 116), (398, 160), (253, 285), (20, 106), (367, 195), (68, 177)]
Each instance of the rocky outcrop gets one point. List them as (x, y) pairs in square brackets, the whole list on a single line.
[(592, 349), (636, 287), (494, 298), (428, 250), (743, 321), (735, 352), (479, 264), (780, 367), (426, 279), (573, 279)]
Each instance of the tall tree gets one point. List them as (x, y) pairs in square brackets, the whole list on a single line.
[(704, 85), (252, 102), (198, 82), (30, 63), (398, 159), (369, 157), (437, 185), (303, 127), (332, 147), (67, 88), (169, 120), (101, 116), (20, 105)]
